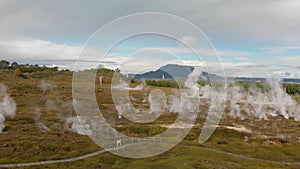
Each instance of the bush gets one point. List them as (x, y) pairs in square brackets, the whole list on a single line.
[(165, 83), (17, 72), (292, 88), (222, 141)]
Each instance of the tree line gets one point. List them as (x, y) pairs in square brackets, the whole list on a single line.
[(25, 68)]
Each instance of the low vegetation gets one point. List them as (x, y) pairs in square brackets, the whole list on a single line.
[(23, 141)]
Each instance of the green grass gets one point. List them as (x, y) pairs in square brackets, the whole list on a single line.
[(24, 142), (178, 157)]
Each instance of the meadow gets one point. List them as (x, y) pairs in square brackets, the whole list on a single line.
[(273, 143)]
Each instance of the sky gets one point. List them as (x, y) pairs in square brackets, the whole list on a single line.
[(251, 38)]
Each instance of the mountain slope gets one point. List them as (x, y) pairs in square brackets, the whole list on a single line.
[(170, 71)]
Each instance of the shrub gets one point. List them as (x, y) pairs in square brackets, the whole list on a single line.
[(17, 72), (165, 83)]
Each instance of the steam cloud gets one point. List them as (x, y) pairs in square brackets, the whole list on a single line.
[(64, 110), (7, 106), (262, 103), (46, 87), (39, 122), (242, 103)]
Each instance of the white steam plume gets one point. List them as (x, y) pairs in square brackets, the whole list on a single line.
[(7, 106), (261, 103), (39, 122), (46, 87), (79, 125)]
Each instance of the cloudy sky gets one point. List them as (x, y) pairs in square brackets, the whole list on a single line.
[(251, 37)]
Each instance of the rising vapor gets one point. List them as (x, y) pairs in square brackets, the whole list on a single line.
[(7, 106)]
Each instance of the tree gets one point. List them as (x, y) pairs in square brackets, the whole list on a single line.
[(14, 65), (4, 64), (36, 66)]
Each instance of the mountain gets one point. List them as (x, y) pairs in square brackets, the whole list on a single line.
[(170, 71), (180, 72)]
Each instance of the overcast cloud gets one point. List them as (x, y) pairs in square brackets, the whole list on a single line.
[(246, 33)]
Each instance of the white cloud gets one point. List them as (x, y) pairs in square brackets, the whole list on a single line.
[(232, 53), (230, 20), (280, 49), (203, 52), (189, 40), (241, 58), (230, 69), (38, 50), (230, 23), (291, 60), (65, 55), (49, 53)]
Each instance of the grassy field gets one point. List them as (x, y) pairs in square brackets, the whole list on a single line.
[(23, 141)]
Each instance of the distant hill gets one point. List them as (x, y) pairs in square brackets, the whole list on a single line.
[(170, 71), (261, 79), (181, 72)]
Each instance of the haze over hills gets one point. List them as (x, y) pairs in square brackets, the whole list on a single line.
[(173, 71), (170, 71), (181, 72)]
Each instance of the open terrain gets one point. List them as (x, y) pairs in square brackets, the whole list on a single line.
[(249, 143)]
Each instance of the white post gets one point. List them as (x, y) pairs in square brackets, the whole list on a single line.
[(119, 143), (100, 80)]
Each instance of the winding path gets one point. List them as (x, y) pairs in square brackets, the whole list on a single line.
[(52, 161), (103, 151), (245, 157)]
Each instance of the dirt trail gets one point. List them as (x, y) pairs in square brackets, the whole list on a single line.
[(103, 151)]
